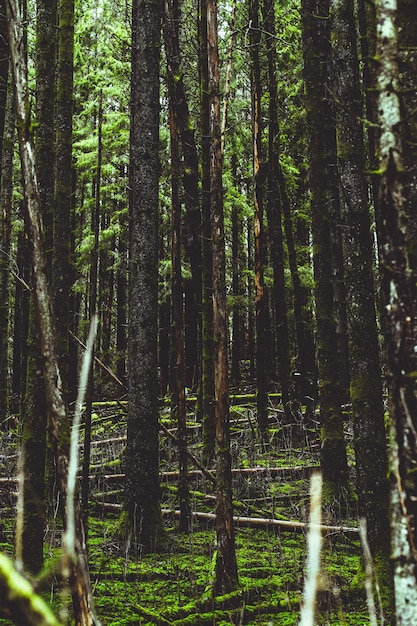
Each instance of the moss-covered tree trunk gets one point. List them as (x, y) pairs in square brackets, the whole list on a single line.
[(397, 89), (226, 566), (316, 54), (142, 490), (364, 359)]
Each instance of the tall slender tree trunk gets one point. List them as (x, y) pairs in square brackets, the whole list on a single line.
[(20, 325), (62, 272), (35, 407), (396, 237), (142, 489), (207, 365), (226, 566), (274, 211), (121, 318), (178, 399), (316, 55), (237, 287), (6, 155), (364, 359), (259, 172), (92, 309)]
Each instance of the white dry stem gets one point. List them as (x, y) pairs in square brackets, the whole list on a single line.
[(19, 513), (314, 542), (69, 540), (369, 576)]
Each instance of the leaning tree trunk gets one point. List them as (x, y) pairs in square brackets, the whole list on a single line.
[(396, 237), (364, 360), (316, 54), (34, 406), (142, 489), (77, 562), (226, 566)]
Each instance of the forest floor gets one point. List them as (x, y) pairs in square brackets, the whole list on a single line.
[(174, 587)]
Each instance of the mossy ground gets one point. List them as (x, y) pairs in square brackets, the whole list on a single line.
[(175, 587)]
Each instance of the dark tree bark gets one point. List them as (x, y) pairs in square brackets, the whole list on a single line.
[(4, 71), (237, 287), (316, 54), (275, 210), (20, 325), (364, 360), (121, 317), (178, 391), (6, 152), (259, 171), (62, 239), (190, 176), (226, 566), (207, 348), (142, 490), (396, 81)]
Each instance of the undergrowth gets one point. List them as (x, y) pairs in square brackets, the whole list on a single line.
[(174, 588)]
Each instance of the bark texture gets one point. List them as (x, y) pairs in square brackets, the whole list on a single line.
[(142, 495), (397, 245), (316, 55), (364, 359), (226, 566), (62, 239)]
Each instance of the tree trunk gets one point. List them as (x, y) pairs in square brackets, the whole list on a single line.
[(207, 348), (398, 226), (142, 490), (237, 287), (7, 145), (190, 176), (226, 566), (261, 304), (274, 212), (178, 393), (365, 371), (316, 55), (62, 272)]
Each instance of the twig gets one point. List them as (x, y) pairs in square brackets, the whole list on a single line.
[(100, 362)]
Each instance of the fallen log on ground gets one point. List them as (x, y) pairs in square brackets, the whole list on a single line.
[(239, 520)]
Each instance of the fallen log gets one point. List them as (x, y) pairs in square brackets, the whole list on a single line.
[(239, 520)]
